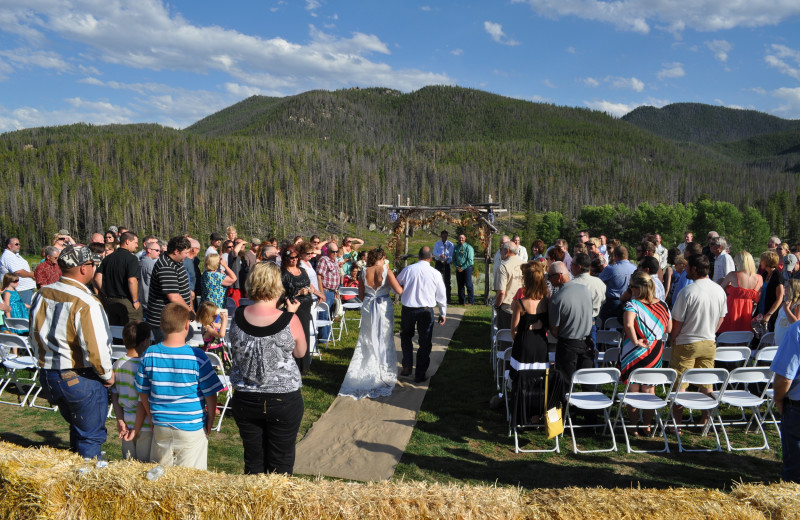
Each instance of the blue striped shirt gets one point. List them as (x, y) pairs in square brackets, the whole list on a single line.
[(177, 380)]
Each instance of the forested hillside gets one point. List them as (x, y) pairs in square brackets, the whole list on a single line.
[(294, 165), (706, 124)]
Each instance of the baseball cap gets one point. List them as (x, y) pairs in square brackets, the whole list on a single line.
[(63, 232), (789, 261), (73, 256)]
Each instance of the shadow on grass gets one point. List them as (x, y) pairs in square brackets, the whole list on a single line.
[(459, 439), (48, 438)]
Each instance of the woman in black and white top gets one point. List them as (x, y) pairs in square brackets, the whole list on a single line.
[(267, 403)]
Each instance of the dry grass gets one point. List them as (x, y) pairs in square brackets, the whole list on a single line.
[(46, 483)]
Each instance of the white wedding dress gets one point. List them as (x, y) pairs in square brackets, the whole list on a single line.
[(373, 368)]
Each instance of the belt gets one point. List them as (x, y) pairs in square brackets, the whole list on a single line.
[(417, 308)]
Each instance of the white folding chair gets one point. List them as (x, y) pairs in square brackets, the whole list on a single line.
[(769, 415), (529, 383), (216, 362), (645, 401), (353, 304), (742, 398), (504, 358), (716, 377), (735, 338), (592, 401), (20, 324), (609, 358), (767, 340), (502, 338), (735, 355), (611, 339), (764, 355), (13, 364), (612, 324), (320, 323)]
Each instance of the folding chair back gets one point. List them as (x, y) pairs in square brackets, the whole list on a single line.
[(594, 376), (18, 324), (750, 375), (653, 377), (732, 354), (766, 340), (703, 376), (533, 394), (613, 324), (764, 355), (502, 340), (735, 337), (609, 338), (608, 358), (219, 367)]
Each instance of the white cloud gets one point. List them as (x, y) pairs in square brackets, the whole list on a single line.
[(785, 59), (571, 50), (26, 58), (617, 109), (549, 83), (457, 52), (791, 97), (671, 70), (96, 112), (610, 108), (148, 34), (495, 30), (425, 8), (670, 15), (720, 48), (631, 83), (591, 82), (312, 5)]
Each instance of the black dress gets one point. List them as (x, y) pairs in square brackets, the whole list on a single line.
[(529, 350), (292, 285)]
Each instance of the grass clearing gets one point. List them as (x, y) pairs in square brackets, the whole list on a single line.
[(458, 439)]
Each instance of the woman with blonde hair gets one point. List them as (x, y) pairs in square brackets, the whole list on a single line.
[(645, 320), (267, 404), (743, 288)]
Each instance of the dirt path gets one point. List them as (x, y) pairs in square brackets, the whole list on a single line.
[(364, 440)]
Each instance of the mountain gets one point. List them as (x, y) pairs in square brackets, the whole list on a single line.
[(321, 160), (706, 124)]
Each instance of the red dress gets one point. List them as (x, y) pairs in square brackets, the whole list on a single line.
[(740, 308)]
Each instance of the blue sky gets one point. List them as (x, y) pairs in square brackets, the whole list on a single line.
[(112, 61)]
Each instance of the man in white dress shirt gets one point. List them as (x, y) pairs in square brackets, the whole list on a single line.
[(522, 253), (443, 255), (12, 262), (423, 289)]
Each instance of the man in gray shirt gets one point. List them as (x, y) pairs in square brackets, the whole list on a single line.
[(570, 313)]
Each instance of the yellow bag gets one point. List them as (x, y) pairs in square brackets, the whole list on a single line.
[(553, 423)]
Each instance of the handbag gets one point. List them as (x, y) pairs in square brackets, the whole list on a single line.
[(553, 423)]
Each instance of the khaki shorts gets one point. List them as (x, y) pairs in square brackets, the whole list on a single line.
[(694, 355), (173, 447)]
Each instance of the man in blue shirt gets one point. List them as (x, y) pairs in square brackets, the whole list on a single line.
[(786, 366), (616, 277)]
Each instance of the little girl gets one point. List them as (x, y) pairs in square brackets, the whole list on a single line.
[(215, 322), (12, 299)]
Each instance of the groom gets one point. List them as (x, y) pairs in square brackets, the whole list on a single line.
[(423, 288)]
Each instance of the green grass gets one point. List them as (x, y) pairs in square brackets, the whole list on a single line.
[(459, 439)]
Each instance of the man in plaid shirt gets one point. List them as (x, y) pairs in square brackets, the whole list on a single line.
[(330, 278)]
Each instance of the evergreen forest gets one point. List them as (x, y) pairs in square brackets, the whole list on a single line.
[(315, 161)]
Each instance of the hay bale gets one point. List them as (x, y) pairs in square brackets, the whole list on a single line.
[(777, 501), (49, 483)]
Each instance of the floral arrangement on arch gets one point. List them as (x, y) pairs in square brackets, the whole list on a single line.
[(470, 216)]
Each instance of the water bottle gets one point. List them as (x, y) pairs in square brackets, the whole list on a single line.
[(101, 460), (155, 472)]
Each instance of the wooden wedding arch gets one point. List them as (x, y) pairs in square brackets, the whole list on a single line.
[(407, 217)]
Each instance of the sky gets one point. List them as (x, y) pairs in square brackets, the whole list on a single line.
[(173, 63)]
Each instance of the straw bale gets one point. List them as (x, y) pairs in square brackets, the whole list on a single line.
[(777, 501), (48, 483)]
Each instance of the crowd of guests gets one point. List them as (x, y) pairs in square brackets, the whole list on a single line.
[(689, 293), (266, 290), (163, 391)]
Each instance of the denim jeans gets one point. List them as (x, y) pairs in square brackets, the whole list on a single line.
[(268, 425), (83, 402), (420, 318), (790, 442), (464, 279)]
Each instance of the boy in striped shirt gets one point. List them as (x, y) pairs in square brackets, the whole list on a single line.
[(130, 413), (178, 387)]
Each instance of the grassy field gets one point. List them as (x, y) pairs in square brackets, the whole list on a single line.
[(459, 439)]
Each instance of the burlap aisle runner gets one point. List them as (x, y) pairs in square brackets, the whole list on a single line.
[(364, 440)]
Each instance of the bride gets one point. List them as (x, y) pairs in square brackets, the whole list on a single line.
[(373, 369)]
